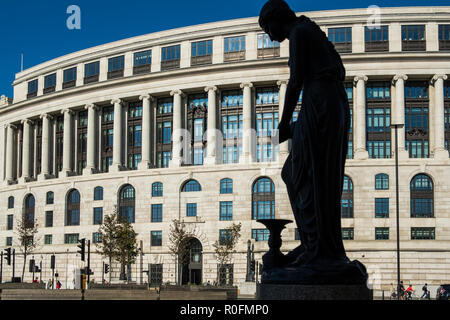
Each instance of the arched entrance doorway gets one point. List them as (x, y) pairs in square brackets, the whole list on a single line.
[(191, 267)]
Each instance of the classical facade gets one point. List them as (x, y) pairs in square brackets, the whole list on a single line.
[(178, 124)]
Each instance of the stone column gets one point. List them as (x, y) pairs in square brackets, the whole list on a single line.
[(9, 174), (67, 144), (284, 147), (212, 125), (117, 138), (399, 114), (177, 130), (45, 152), (91, 166), (360, 117), (26, 148), (146, 136), (248, 133), (439, 144)]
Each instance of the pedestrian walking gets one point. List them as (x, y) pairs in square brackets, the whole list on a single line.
[(58, 285), (49, 284), (425, 291)]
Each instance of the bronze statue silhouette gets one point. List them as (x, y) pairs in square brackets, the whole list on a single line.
[(314, 171)]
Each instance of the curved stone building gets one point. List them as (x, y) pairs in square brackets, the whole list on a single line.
[(178, 125)]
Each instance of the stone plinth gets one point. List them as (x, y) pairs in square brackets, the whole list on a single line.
[(312, 292)]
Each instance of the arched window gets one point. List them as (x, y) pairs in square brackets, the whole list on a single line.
[(50, 198), (98, 193), (347, 198), (29, 211), (127, 200), (422, 196), (226, 186), (73, 208), (382, 182), (191, 186), (11, 202), (263, 199), (157, 189)]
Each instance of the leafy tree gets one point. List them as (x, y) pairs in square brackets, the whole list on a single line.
[(225, 246), (108, 230), (26, 231)]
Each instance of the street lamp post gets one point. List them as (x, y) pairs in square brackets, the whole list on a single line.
[(396, 126)]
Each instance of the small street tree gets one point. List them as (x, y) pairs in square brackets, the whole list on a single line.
[(108, 231), (225, 247), (26, 231), (127, 248), (179, 245)]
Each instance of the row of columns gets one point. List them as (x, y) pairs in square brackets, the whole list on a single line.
[(398, 104), (177, 136)]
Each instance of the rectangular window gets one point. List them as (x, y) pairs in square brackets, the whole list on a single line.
[(381, 207), (170, 57), (96, 237), (48, 239), (155, 274), (226, 210), (347, 233), (444, 37), (201, 52), (191, 209), (232, 98), (157, 212), (48, 219), (10, 223), (260, 234), (98, 215), (142, 58), (32, 88), (9, 241), (376, 39), (267, 48), (92, 70), (234, 48), (50, 81), (413, 38), (198, 156), (297, 234), (71, 238), (69, 77), (381, 233), (156, 239), (115, 67), (341, 38), (422, 233), (225, 236), (421, 207)]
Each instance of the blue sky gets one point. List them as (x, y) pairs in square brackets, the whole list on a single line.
[(38, 28)]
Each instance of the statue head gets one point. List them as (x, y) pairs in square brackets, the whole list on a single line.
[(274, 17)]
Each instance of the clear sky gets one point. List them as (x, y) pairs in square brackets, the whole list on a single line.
[(38, 28)]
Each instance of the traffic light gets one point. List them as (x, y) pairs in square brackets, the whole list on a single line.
[(32, 266), (8, 256), (82, 247), (106, 268), (252, 266)]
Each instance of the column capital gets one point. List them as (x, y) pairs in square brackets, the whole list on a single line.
[(436, 77), (116, 101), (12, 126), (177, 91), (147, 96), (360, 77), (70, 112), (46, 115), (281, 82), (210, 88), (404, 77), (91, 105), (27, 121), (246, 84)]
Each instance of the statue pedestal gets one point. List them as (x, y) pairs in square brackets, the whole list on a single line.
[(312, 292)]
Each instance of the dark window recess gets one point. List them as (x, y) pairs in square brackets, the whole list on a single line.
[(234, 48), (267, 48), (91, 72), (70, 78), (32, 88), (155, 275), (201, 52), (413, 38), (142, 62), (347, 198), (444, 37), (170, 57), (50, 83), (376, 39), (341, 39), (115, 67)]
